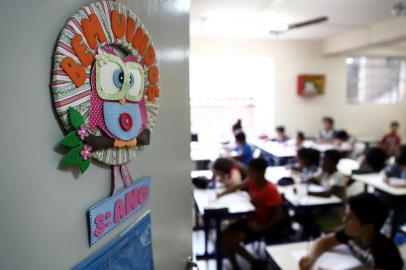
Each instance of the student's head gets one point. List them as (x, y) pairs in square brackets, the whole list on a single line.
[(365, 214), (300, 136), (237, 126), (240, 138), (308, 157), (256, 169), (280, 131), (342, 135), (330, 160), (394, 126), (328, 123), (222, 166), (400, 155), (375, 158)]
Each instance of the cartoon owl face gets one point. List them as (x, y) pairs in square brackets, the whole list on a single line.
[(117, 100)]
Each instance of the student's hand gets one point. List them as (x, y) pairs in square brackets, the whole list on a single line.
[(306, 263)]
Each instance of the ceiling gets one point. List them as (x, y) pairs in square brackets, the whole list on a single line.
[(254, 18)]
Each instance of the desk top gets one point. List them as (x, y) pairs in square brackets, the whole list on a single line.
[(279, 150), (237, 202), (375, 180), (308, 200), (201, 173), (287, 256)]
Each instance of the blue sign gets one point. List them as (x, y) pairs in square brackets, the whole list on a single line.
[(131, 250), (106, 215)]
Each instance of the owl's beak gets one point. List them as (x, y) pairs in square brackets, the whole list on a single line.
[(122, 101)]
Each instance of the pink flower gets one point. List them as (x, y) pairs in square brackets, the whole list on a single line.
[(86, 152), (83, 132)]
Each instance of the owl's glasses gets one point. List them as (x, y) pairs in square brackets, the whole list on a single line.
[(116, 80)]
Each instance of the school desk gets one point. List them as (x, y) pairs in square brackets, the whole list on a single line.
[(397, 195), (229, 206), (287, 256), (276, 153)]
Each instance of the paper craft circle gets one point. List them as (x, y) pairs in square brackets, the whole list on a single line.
[(121, 39)]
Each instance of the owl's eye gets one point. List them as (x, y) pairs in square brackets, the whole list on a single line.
[(111, 78), (136, 83), (118, 78)]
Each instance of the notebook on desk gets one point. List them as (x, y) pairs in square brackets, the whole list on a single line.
[(338, 259)]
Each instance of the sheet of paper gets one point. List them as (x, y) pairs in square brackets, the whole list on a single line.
[(332, 260)]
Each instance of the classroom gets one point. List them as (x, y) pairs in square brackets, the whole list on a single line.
[(203, 134)]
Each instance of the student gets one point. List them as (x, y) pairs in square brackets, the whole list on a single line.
[(344, 143), (374, 160), (330, 178), (280, 135), (391, 140), (364, 216), (327, 134), (300, 138), (243, 151), (267, 219), (308, 163), (397, 170), (237, 127), (229, 172)]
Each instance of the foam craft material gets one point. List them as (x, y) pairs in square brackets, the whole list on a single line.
[(105, 55)]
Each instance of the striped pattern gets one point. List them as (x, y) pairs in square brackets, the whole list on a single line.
[(66, 95)]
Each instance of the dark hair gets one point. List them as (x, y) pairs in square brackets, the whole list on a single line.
[(309, 154), (376, 157), (237, 125), (342, 135), (300, 135), (400, 155), (369, 209), (333, 155), (223, 165), (240, 136), (280, 129), (394, 123), (258, 164), (328, 119)]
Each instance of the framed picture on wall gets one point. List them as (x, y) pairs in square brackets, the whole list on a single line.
[(309, 85)]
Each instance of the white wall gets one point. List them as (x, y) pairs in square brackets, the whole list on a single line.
[(298, 57), (43, 208)]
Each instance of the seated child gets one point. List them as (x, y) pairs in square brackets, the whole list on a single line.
[(266, 220), (344, 143), (391, 141), (243, 151), (308, 164), (300, 138), (228, 172), (374, 160), (397, 170), (364, 216), (326, 134), (330, 178), (280, 135)]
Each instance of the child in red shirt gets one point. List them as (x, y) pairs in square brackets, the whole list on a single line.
[(391, 141), (267, 217)]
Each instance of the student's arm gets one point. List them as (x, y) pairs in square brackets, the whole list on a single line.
[(242, 186), (334, 190), (319, 246)]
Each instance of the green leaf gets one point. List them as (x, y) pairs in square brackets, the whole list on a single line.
[(84, 164), (76, 119), (72, 139), (73, 157)]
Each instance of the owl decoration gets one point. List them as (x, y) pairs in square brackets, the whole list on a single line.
[(105, 87)]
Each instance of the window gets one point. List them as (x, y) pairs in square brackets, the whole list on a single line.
[(376, 80), (225, 88)]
